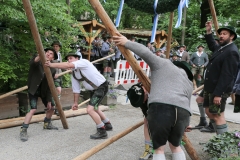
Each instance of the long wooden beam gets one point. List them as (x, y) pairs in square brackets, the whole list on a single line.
[(13, 122), (15, 119), (189, 148), (13, 92), (109, 141), (40, 50), (214, 16), (198, 89)]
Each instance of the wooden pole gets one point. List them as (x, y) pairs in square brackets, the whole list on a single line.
[(189, 148), (214, 16), (90, 42), (13, 92), (40, 50), (127, 54), (65, 72), (98, 60), (198, 89), (7, 123), (84, 102), (14, 119), (169, 38), (109, 141)]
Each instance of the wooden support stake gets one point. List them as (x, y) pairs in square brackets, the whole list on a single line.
[(189, 148), (16, 119), (84, 102), (98, 60), (90, 42), (169, 38), (214, 16), (198, 89), (40, 50), (109, 141), (127, 54), (162, 42)]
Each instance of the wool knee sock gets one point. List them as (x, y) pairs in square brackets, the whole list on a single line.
[(105, 120), (105, 75), (222, 128), (201, 110), (213, 124), (108, 75), (47, 120), (149, 143), (25, 125), (179, 156), (101, 125), (159, 157)]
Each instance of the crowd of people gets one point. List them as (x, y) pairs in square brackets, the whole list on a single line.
[(166, 107)]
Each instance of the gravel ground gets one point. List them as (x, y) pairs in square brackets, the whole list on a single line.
[(67, 144)]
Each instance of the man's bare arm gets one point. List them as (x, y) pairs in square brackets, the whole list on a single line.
[(63, 65)]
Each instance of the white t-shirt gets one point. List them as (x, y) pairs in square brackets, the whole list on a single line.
[(89, 71)]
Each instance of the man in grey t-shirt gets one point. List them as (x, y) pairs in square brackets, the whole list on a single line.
[(169, 99)]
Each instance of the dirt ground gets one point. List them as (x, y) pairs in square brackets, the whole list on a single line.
[(68, 144)]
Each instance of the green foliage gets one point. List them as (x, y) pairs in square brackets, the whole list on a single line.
[(231, 158), (66, 79), (112, 92), (16, 41), (17, 45), (223, 146), (23, 110), (81, 9)]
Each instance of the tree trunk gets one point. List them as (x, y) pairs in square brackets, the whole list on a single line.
[(68, 3), (184, 25)]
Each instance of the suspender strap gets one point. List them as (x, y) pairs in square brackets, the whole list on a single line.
[(84, 79)]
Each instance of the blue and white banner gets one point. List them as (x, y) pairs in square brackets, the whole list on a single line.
[(155, 23), (119, 13), (181, 5)]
